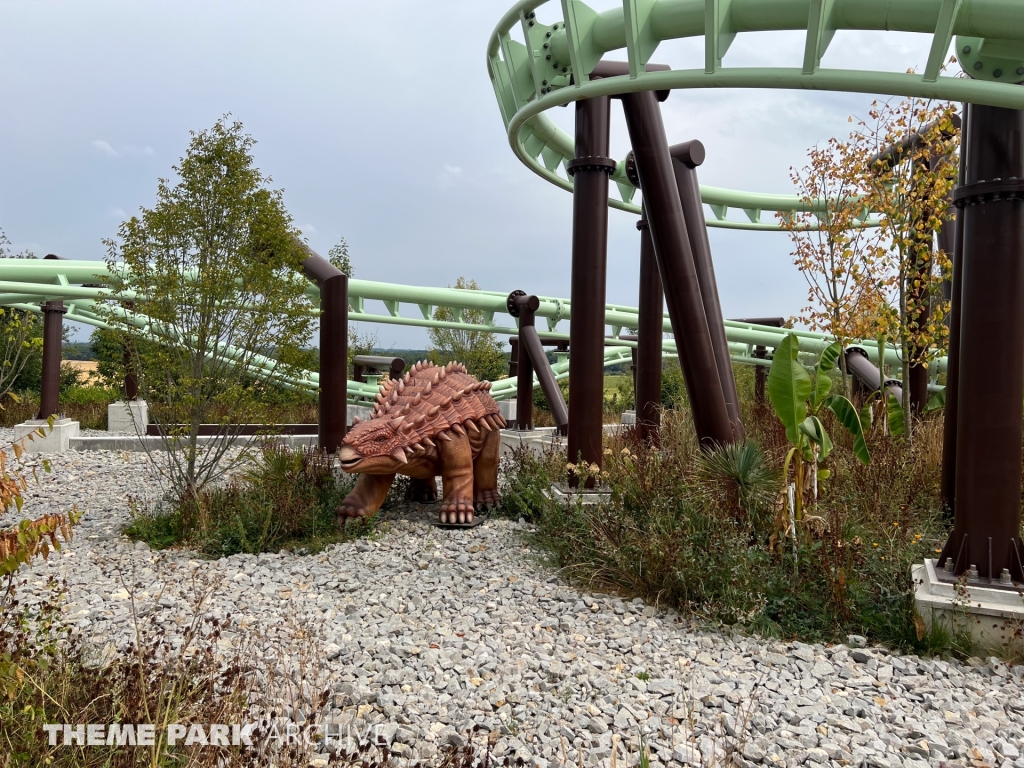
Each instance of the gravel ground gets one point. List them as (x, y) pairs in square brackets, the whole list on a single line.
[(426, 632)]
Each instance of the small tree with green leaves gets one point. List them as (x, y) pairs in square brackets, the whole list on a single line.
[(479, 351), (21, 333), (214, 268)]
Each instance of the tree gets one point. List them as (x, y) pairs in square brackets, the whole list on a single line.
[(909, 167), (831, 246), (213, 268), (338, 256), (21, 333), (479, 351)]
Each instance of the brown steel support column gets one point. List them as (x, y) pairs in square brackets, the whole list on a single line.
[(590, 170), (686, 157), (333, 399), (53, 338), (650, 333), (990, 397), (760, 375), (948, 480), (678, 273)]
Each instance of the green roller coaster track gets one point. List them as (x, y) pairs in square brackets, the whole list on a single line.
[(563, 42), (30, 283)]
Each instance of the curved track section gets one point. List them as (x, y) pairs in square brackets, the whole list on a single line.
[(31, 283), (562, 42)]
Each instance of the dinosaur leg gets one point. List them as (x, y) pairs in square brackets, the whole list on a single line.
[(456, 479), (365, 499), (423, 490), (485, 471)]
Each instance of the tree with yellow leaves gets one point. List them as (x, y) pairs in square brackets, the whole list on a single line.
[(908, 169), (831, 245)]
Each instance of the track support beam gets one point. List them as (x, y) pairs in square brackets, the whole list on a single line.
[(990, 386)]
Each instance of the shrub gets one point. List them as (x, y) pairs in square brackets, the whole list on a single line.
[(692, 530), (286, 499)]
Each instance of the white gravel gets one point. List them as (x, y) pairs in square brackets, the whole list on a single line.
[(431, 631)]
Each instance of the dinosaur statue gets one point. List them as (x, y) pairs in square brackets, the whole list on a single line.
[(433, 421)]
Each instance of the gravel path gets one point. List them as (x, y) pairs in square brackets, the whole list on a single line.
[(429, 632)]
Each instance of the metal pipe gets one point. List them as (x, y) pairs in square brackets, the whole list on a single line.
[(647, 384), (548, 385), (678, 273), (333, 396), (686, 157), (590, 170), (49, 395), (867, 375), (990, 385)]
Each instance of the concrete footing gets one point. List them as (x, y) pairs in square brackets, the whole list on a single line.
[(131, 416), (56, 439), (507, 409), (992, 616)]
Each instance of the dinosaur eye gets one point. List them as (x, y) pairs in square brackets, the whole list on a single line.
[(382, 439)]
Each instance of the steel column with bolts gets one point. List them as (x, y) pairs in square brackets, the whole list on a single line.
[(333, 397), (531, 348), (650, 334), (53, 321), (676, 265), (685, 159), (990, 396), (953, 240), (590, 170)]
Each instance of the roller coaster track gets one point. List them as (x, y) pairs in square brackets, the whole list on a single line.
[(562, 42), (29, 283)]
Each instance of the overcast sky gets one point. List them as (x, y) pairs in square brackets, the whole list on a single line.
[(379, 122)]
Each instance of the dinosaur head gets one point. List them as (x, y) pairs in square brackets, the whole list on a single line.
[(374, 447)]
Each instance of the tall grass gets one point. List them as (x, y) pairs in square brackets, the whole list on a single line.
[(695, 532)]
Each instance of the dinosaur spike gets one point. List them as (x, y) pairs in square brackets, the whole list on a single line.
[(356, 420), (396, 423), (380, 396), (443, 373), (456, 397), (415, 448), (429, 443), (437, 378), (394, 396), (433, 411), (416, 399), (446, 403), (458, 430), (407, 408), (387, 408), (472, 427), (419, 419), (400, 387), (488, 385), (405, 427), (501, 421), (444, 436), (426, 389), (399, 453)]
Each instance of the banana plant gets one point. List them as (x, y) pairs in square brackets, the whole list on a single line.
[(797, 401)]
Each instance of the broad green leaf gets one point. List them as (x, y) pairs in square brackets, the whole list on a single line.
[(865, 416), (937, 401), (789, 386), (829, 356), (815, 430), (849, 418), (895, 413)]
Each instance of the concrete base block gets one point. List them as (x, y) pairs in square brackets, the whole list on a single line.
[(563, 494), (154, 443), (507, 409), (992, 616), (629, 417), (537, 440), (364, 412), (56, 440), (131, 416)]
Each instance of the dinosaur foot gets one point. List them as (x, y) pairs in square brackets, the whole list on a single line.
[(487, 500), (456, 512), (349, 510)]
